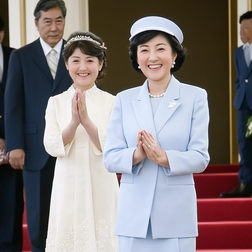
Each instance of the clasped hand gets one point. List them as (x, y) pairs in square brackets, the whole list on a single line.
[(17, 158), (148, 147), (80, 116), (79, 108)]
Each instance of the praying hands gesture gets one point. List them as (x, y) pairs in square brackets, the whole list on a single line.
[(148, 147), (80, 116)]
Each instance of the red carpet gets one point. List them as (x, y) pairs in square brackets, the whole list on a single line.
[(225, 225)]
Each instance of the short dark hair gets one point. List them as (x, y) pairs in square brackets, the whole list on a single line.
[(247, 15), (88, 47), (1, 24), (45, 5), (143, 37)]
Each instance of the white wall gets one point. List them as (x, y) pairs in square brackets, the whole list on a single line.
[(241, 8), (76, 19), (14, 24)]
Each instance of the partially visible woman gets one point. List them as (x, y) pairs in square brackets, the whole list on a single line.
[(157, 138), (84, 194)]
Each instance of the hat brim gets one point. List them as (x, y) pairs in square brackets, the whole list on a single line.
[(151, 28), (156, 23)]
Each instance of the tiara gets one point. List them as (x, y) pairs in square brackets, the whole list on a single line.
[(87, 38)]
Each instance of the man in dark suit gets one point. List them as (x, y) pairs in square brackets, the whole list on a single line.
[(31, 81), (11, 182), (243, 105)]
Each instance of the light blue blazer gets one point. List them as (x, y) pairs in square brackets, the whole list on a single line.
[(149, 192)]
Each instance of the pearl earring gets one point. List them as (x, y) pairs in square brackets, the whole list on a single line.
[(139, 67), (173, 64)]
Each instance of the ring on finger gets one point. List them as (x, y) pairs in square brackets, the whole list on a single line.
[(148, 146)]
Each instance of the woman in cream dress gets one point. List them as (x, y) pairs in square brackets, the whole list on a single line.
[(84, 194)]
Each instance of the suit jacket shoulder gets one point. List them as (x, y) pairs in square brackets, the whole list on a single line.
[(7, 50)]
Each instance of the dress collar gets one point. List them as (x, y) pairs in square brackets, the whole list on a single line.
[(89, 92)]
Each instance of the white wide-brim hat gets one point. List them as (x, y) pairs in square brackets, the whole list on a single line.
[(156, 23)]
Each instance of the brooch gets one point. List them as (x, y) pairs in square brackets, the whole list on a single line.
[(172, 104)]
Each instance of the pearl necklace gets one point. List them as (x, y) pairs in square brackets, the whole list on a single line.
[(156, 96)]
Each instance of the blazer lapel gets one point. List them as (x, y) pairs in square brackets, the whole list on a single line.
[(6, 56), (40, 59), (61, 70), (143, 111), (249, 68), (242, 62), (242, 57), (168, 104)]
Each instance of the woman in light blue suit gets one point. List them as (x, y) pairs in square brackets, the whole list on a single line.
[(157, 138)]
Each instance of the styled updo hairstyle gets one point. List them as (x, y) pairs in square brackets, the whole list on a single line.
[(144, 37), (93, 47)]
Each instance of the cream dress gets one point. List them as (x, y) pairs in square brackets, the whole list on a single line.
[(84, 193)]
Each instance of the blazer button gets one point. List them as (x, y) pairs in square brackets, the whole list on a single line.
[(0, 116), (246, 80)]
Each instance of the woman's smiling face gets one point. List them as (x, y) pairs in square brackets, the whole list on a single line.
[(155, 59), (83, 69)]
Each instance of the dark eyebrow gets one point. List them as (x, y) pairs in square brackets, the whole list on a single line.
[(46, 18), (144, 45), (75, 56), (161, 44)]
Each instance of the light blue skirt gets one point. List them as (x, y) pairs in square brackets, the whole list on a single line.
[(132, 244)]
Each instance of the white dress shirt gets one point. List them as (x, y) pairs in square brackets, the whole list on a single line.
[(247, 48), (47, 48)]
